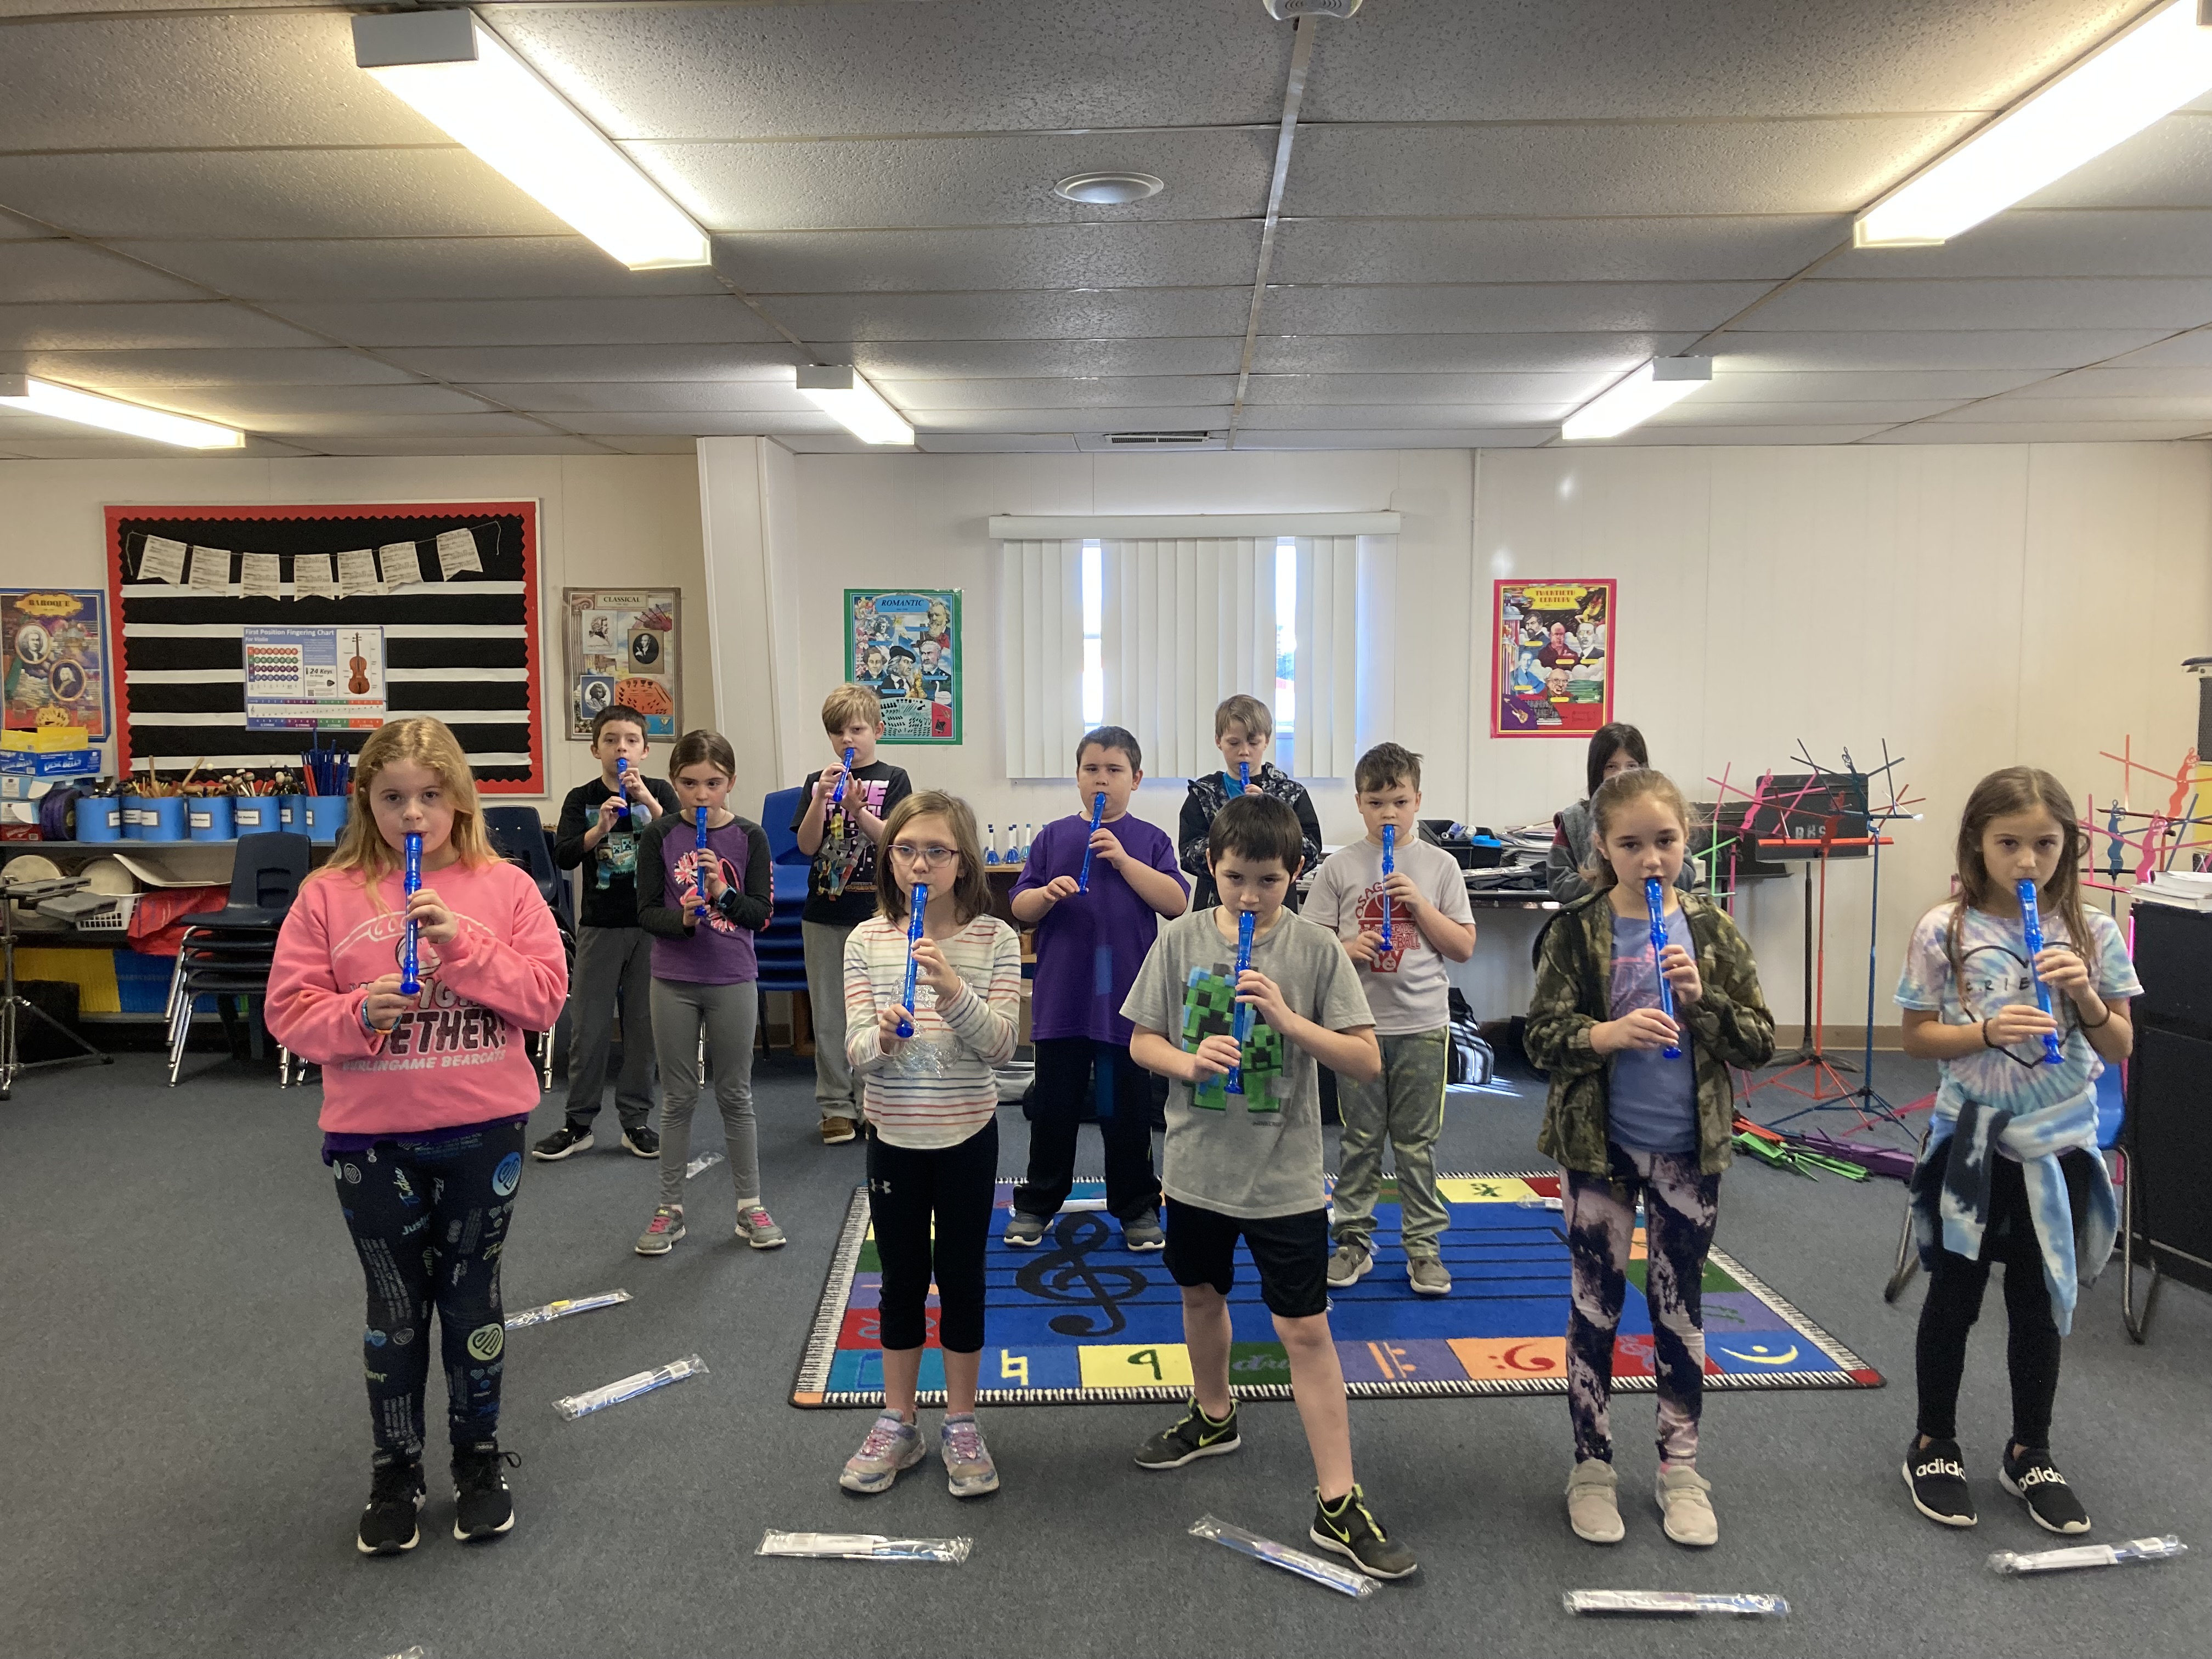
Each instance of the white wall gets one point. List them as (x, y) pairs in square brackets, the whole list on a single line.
[(605, 520)]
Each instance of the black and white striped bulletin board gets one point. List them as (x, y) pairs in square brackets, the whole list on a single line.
[(449, 589)]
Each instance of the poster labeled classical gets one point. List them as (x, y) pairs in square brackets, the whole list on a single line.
[(904, 644), (54, 658), (620, 648), (1552, 662)]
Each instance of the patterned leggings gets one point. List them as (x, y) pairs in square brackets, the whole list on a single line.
[(1681, 1206)]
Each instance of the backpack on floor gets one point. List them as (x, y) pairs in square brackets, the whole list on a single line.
[(1471, 1060)]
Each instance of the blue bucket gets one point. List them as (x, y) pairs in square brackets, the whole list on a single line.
[(253, 815), (98, 817), (326, 815), (207, 817), (161, 818), (291, 813)]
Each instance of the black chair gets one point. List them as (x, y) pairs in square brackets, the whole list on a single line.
[(520, 835), (227, 953)]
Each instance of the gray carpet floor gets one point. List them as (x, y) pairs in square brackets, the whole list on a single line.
[(187, 1441)]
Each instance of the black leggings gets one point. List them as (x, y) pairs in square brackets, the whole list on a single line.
[(1954, 1301), (956, 1187), (429, 1221), (1122, 1090)]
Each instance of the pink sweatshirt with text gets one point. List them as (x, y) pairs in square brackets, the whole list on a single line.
[(458, 1058)]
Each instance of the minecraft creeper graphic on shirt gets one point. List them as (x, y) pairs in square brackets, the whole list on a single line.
[(1209, 1009)]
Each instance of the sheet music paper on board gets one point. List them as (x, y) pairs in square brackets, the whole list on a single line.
[(357, 572), (210, 567), (457, 554), (260, 576), (160, 560), (314, 576), (401, 563)]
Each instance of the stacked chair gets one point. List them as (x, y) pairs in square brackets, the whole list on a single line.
[(519, 836), (781, 947), (226, 954)]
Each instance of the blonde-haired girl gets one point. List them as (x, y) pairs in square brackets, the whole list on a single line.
[(425, 1099)]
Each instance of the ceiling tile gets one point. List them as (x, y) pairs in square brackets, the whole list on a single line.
[(648, 397), (208, 322), (1030, 257), (1213, 418), (279, 366), (2176, 351), (2065, 432), (1030, 359), (981, 179), (2019, 303), (543, 443), (1352, 416), (1739, 380), (2078, 410), (13, 229), (1064, 314), (1460, 354), (640, 444), (920, 398), (458, 267), (1399, 438), (995, 443), (2176, 382), (300, 408), (706, 319), (1564, 389), (1462, 308), (79, 444), (764, 422), (1752, 347), (433, 432), (2167, 165), (1550, 250), (37, 272), (2099, 242), (623, 362), (1696, 411), (1648, 436)]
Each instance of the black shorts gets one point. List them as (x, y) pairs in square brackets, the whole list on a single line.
[(1291, 1252)]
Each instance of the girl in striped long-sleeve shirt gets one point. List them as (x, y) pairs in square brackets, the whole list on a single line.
[(931, 1102)]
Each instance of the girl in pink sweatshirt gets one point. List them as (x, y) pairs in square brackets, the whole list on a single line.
[(425, 1099)]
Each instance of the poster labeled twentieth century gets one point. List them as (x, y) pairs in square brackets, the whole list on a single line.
[(904, 645), (1552, 662)]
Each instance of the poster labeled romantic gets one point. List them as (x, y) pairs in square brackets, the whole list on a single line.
[(904, 645), (1551, 661)]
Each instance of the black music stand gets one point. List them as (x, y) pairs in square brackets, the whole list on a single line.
[(14, 1005)]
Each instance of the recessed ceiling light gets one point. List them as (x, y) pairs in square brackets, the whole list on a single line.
[(65, 402), (854, 404), (1637, 396), (1108, 189)]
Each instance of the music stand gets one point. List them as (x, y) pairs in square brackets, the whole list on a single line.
[(13, 1005)]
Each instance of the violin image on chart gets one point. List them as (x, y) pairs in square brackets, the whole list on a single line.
[(358, 685)]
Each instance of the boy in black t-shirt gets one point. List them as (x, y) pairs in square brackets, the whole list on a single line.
[(840, 888), (614, 956)]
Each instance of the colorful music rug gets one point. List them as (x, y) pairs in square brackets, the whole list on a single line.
[(1079, 1319)]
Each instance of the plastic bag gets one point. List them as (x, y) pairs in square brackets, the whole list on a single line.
[(700, 1164), (553, 1311), (2013, 1565), (864, 1547), (1675, 1603), (574, 1406), (1343, 1580)]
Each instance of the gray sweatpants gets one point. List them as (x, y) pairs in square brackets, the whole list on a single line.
[(728, 1014), (1405, 1107), (611, 962), (825, 996)]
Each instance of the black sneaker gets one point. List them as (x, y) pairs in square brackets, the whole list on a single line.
[(567, 1139), (641, 1139), (1935, 1475), (1196, 1436), (2032, 1478), (482, 1505), (1349, 1528), (395, 1495)]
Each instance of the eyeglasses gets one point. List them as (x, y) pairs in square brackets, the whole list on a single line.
[(922, 855)]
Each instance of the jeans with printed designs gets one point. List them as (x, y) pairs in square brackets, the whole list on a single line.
[(1681, 1204), (429, 1221), (1404, 1106)]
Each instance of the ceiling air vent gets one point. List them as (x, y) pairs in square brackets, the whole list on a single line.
[(1157, 440)]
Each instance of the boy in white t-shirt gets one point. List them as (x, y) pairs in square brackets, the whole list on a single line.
[(1410, 992)]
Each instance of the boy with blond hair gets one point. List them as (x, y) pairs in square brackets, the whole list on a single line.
[(843, 839), (1244, 733)]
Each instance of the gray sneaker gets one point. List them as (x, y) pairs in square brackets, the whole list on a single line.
[(892, 1445), (1024, 1232), (1429, 1275), (758, 1228), (1143, 1232), (1349, 1264), (661, 1233), (969, 1470)]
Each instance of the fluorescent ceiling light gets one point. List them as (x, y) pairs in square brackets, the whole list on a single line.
[(2147, 71), (854, 404), (462, 77), (1637, 396), (65, 402)]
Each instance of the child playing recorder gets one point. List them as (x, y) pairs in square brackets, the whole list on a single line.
[(1244, 733)]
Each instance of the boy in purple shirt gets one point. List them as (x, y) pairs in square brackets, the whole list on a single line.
[(1089, 947)]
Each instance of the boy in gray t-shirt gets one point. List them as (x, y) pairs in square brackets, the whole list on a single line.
[(1408, 987), (1248, 1164)]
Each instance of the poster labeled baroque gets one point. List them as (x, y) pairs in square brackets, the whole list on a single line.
[(1552, 662), (620, 647), (904, 645), (54, 658)]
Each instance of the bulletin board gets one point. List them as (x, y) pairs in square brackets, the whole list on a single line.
[(619, 649), (344, 615)]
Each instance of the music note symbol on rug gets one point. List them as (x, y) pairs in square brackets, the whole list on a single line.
[(1068, 1274)]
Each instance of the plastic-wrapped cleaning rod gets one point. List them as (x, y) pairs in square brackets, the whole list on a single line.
[(2013, 1565), (1343, 1580), (863, 1546), (1540, 1204), (572, 1407), (700, 1164), (1675, 1603), (561, 1309)]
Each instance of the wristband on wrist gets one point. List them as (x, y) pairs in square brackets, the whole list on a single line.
[(374, 1031), (2101, 1025), (1986, 1043)]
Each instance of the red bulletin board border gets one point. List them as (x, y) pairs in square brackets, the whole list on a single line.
[(535, 784), (1494, 633)]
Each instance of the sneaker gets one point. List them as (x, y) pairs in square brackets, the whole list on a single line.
[(565, 1141), (1428, 1275), (1195, 1436), (661, 1233), (1025, 1232), (1935, 1475), (1594, 1502), (1349, 1528), (1144, 1233), (642, 1140), (1684, 1508), (1348, 1264), (892, 1445), (2032, 1478), (395, 1497), (969, 1470), (482, 1505), (758, 1228), (836, 1131)]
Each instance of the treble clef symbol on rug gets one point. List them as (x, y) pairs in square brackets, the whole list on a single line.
[(1068, 1275)]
